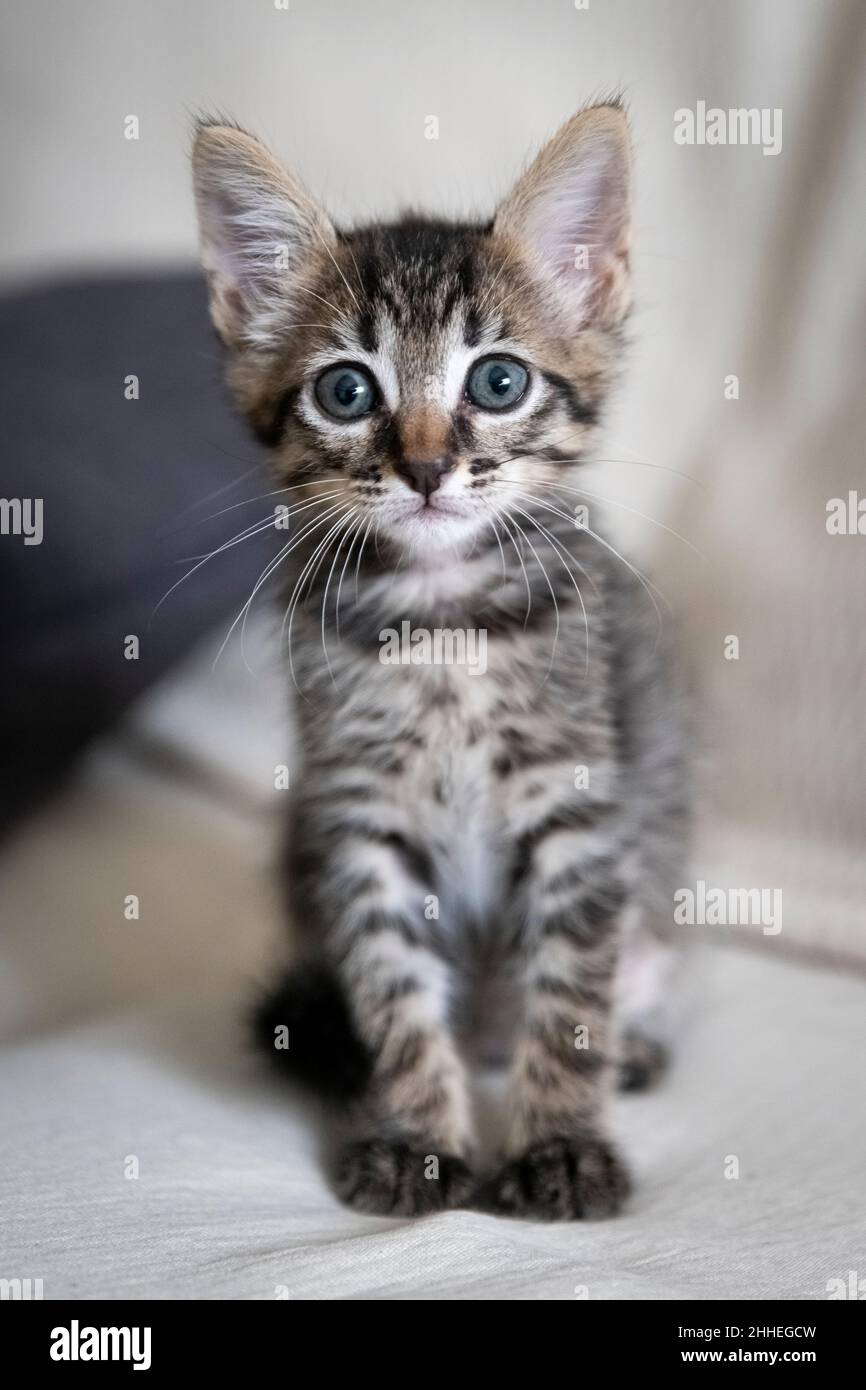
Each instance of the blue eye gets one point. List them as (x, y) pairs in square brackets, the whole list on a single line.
[(347, 393), (496, 382)]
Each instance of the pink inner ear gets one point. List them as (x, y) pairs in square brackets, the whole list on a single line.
[(239, 240), (578, 211)]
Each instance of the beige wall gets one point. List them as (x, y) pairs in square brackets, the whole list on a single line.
[(342, 89)]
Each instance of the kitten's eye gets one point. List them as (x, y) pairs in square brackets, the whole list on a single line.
[(496, 382), (346, 392)]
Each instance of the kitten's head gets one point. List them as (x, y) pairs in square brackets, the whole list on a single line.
[(420, 374)]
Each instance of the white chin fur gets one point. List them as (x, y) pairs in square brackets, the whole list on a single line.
[(428, 532)]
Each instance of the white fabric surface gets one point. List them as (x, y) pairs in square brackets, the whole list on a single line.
[(230, 1202)]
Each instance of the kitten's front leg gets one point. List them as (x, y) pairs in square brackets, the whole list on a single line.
[(561, 1164), (410, 1132), (408, 1155)]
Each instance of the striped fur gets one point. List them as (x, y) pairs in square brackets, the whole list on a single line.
[(457, 886)]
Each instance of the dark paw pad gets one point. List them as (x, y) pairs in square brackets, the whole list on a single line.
[(388, 1177), (642, 1062), (559, 1180)]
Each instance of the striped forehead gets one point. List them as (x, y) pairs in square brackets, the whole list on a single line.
[(420, 317), (427, 364)]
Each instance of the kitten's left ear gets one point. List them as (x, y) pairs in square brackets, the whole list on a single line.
[(571, 214), (258, 229)]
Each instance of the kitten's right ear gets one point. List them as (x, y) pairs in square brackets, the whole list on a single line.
[(257, 226), (570, 213)]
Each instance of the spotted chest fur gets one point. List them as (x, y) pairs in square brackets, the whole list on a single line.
[(460, 766)]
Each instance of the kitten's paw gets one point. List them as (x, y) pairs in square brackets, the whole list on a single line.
[(643, 1061), (389, 1177), (559, 1180)]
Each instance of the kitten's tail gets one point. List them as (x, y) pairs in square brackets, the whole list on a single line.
[(306, 1028)]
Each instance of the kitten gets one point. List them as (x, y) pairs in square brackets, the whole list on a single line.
[(482, 852)]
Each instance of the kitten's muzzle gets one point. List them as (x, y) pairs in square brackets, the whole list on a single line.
[(424, 476)]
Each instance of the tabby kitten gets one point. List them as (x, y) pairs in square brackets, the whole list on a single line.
[(488, 817)]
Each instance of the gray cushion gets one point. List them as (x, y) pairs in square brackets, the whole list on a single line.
[(121, 482)]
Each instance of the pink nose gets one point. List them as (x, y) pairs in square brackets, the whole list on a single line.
[(424, 476)]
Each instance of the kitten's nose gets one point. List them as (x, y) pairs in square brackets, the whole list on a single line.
[(424, 475)]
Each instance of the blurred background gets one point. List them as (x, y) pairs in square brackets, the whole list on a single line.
[(154, 776), (138, 801)]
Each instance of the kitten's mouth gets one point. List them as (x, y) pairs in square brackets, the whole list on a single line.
[(430, 513), (434, 508), (432, 522), (431, 510)]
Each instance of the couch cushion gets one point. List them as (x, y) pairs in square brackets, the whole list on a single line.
[(229, 1201), (122, 484)]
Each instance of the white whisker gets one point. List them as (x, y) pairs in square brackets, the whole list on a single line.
[(550, 587), (310, 482), (502, 518), (560, 550), (355, 534), (612, 502), (348, 525), (646, 583), (268, 571), (360, 553), (289, 615), (492, 511)]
